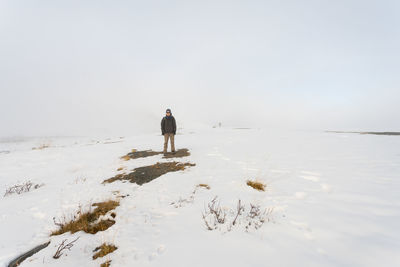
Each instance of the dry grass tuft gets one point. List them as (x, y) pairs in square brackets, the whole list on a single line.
[(106, 264), (126, 157), (42, 146), (206, 186), (256, 185), (103, 250), (87, 221), (120, 168)]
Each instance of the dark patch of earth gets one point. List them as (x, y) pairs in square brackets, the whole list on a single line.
[(17, 261), (180, 153), (146, 174), (373, 133)]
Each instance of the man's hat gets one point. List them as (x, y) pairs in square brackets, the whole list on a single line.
[(168, 110)]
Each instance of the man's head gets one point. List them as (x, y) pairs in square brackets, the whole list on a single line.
[(168, 112)]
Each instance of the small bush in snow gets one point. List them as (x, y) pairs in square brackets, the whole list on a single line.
[(225, 219), (64, 246), (21, 188)]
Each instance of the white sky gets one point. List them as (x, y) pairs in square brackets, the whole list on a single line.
[(85, 67)]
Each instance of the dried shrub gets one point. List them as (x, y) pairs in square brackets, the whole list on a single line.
[(106, 264), (103, 250), (256, 218), (146, 174), (22, 188), (225, 220), (64, 246), (256, 185), (213, 215), (88, 221)]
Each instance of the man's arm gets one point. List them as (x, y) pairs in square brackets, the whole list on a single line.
[(162, 126), (174, 124)]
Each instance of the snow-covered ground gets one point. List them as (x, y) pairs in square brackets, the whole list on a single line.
[(335, 199)]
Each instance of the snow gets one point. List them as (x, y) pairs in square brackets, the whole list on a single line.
[(334, 197)]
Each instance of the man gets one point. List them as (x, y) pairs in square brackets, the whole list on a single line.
[(168, 129)]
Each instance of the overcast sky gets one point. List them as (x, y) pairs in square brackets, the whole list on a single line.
[(85, 67)]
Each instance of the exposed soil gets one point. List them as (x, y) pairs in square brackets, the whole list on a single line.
[(184, 152), (373, 133), (17, 261), (146, 174), (180, 153)]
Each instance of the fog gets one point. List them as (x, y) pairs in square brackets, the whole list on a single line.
[(113, 67)]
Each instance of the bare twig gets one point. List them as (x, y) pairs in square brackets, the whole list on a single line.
[(21, 188), (239, 210), (63, 247)]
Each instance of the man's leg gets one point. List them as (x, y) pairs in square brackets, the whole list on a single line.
[(172, 142), (165, 142)]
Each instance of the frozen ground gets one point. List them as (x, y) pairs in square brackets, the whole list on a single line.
[(335, 197)]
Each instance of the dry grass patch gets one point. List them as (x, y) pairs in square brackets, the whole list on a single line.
[(126, 157), (146, 174), (120, 168), (106, 264), (42, 146), (88, 221), (206, 186), (256, 185), (103, 250)]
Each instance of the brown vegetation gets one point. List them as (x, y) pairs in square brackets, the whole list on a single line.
[(256, 185), (87, 221), (103, 250), (206, 186)]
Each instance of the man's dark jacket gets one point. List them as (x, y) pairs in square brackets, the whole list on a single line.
[(168, 125)]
